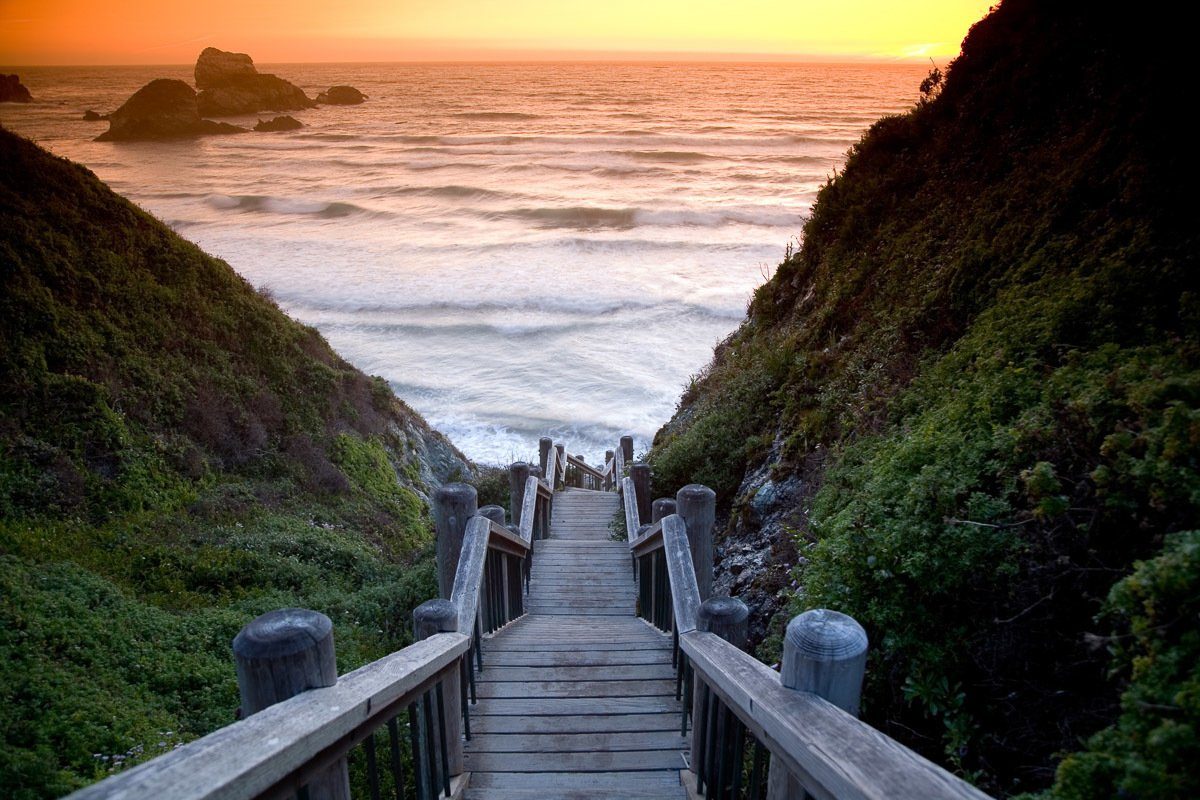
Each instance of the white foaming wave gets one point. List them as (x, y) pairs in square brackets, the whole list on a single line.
[(595, 217), (287, 205)]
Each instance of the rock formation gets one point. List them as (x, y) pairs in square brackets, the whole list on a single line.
[(93, 116), (341, 96), (217, 68), (11, 90), (162, 109), (283, 123), (229, 85)]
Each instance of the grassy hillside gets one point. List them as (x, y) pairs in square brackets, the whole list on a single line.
[(176, 457), (980, 375)]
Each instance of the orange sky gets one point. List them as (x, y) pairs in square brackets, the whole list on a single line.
[(174, 31)]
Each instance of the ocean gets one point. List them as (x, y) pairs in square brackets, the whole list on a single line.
[(519, 249)]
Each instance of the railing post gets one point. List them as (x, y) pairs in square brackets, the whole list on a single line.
[(627, 448), (453, 506), (662, 507), (824, 652), (728, 618), (494, 513), (610, 478), (544, 445), (441, 616), (279, 655), (518, 475), (560, 466), (640, 472), (697, 505)]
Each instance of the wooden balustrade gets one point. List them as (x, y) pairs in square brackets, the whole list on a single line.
[(757, 733)]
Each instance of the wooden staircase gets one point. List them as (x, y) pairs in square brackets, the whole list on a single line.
[(577, 698)]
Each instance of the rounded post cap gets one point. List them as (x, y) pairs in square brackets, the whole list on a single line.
[(724, 610), (626, 438), (280, 633), (519, 466), (662, 507), (695, 492), (514, 528), (435, 616), (824, 635), (534, 469), (545, 441), (455, 492), (608, 454), (494, 513)]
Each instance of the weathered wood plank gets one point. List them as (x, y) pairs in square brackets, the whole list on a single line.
[(616, 659), (685, 595), (577, 706), (571, 689), (577, 742), (585, 724), (548, 782), (660, 671), (598, 761), (830, 752)]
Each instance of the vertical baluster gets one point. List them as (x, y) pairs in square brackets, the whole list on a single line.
[(372, 767), (723, 755), (739, 754), (710, 743), (414, 737), (688, 697), (397, 765), (431, 758), (442, 743), (464, 668), (756, 771), (478, 655)]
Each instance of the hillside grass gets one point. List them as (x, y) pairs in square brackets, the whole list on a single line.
[(989, 336), (176, 457)]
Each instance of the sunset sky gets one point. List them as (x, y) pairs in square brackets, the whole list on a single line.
[(173, 31)]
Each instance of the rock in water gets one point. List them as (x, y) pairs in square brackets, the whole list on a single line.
[(216, 68), (162, 109), (231, 85), (93, 116), (341, 96), (12, 91), (284, 123)]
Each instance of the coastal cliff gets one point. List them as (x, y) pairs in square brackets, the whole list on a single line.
[(177, 456), (969, 405)]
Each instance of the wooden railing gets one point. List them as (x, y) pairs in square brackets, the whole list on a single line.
[(400, 722), (757, 732)]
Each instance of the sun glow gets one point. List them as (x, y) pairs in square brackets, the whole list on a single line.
[(134, 31)]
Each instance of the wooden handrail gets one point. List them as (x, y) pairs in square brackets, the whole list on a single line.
[(481, 535), (583, 466), (650, 540), (831, 753), (629, 497), (552, 469), (248, 758)]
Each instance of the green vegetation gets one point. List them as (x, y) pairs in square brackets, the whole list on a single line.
[(985, 361), (176, 457)]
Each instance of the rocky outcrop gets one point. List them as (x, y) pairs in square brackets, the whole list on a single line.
[(93, 116), (12, 91), (216, 68), (341, 96), (230, 85), (283, 123), (162, 109)]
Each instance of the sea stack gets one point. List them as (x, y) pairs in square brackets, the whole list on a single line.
[(162, 109), (12, 90), (229, 85), (281, 123), (341, 96)]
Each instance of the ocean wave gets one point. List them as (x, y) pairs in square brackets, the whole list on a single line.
[(495, 115), (283, 205), (454, 191), (669, 156), (577, 308), (598, 218)]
